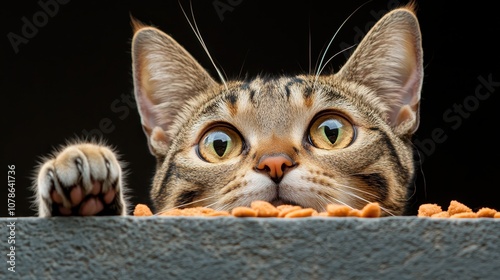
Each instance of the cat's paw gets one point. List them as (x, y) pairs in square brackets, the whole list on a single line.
[(81, 180)]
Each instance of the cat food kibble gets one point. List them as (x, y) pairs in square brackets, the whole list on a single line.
[(142, 210), (457, 207), (464, 215), (264, 209), (371, 210), (195, 211), (443, 214), (285, 209), (486, 212), (455, 210), (244, 212), (300, 213), (427, 210), (336, 210), (354, 213)]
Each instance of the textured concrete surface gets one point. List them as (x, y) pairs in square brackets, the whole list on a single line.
[(230, 248)]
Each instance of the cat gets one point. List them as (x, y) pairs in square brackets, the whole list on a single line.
[(308, 140)]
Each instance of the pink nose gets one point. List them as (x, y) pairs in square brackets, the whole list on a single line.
[(275, 166)]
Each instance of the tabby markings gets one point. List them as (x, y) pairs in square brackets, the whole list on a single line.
[(186, 197), (377, 181), (232, 99)]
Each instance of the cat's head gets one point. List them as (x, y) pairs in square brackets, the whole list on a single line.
[(309, 140)]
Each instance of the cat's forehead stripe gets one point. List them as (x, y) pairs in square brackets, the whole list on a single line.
[(308, 97), (292, 82), (274, 89), (232, 97), (232, 102), (268, 104)]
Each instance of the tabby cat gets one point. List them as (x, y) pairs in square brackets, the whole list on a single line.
[(309, 140)]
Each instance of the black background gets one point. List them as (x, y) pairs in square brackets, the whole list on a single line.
[(71, 74)]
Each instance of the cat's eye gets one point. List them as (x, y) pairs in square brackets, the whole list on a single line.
[(331, 132), (220, 143)]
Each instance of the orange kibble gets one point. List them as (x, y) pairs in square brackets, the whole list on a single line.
[(188, 212), (486, 212), (337, 210), (354, 213), (371, 210), (142, 210), (244, 212), (218, 214), (457, 207), (261, 208), (464, 215), (428, 209), (300, 213), (443, 214), (284, 206), (455, 210), (285, 210), (264, 209)]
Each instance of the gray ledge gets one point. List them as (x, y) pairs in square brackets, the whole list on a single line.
[(253, 248)]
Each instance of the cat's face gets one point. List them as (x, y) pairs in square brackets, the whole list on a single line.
[(309, 140)]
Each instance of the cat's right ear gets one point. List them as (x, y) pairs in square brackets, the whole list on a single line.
[(389, 60), (165, 76)]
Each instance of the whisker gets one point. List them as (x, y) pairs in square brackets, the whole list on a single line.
[(337, 184), (243, 64), (330, 59), (334, 35), (338, 201), (226, 207), (354, 195), (358, 190), (212, 204), (197, 33), (365, 200), (316, 65), (387, 211), (410, 197), (421, 170), (327, 201), (310, 46)]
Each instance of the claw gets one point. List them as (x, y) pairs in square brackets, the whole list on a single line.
[(51, 175), (108, 165), (78, 163)]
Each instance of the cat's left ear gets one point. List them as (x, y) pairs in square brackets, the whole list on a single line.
[(389, 61), (166, 77)]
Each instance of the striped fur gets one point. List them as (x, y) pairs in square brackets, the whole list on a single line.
[(377, 91)]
